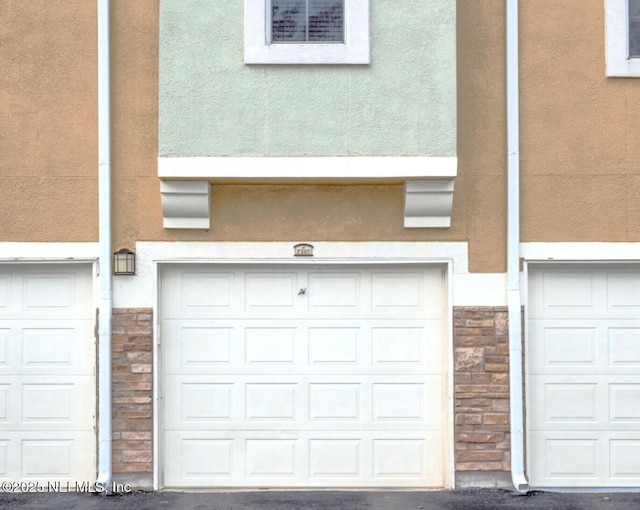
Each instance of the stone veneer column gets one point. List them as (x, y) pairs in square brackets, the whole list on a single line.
[(481, 389), (132, 388)]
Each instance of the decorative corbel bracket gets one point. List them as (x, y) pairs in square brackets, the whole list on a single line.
[(186, 204), (428, 203)]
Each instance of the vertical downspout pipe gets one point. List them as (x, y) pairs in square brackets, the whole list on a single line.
[(518, 476), (104, 233)]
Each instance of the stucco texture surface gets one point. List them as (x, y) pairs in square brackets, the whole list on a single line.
[(136, 204), (212, 104), (482, 131), (48, 116), (579, 129)]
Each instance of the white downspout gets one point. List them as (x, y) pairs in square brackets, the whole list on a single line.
[(104, 241), (518, 476)]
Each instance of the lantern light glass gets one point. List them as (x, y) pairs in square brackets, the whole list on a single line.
[(124, 262)]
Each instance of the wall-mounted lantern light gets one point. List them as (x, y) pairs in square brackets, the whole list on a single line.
[(124, 262)]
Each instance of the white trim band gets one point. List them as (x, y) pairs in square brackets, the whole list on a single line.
[(587, 251), (49, 252), (334, 168), (468, 289)]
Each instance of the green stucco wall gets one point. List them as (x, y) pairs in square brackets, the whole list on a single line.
[(212, 104)]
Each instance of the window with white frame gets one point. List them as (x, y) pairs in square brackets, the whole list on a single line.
[(306, 31), (623, 37)]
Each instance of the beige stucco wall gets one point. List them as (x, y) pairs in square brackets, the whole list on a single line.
[(481, 130), (48, 169), (239, 212), (48, 105), (578, 146), (367, 213), (580, 129)]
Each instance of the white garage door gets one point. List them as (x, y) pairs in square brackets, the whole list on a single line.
[(583, 378), (47, 388), (303, 376)]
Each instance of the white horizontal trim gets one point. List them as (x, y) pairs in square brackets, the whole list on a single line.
[(580, 251), (52, 252), (324, 252), (333, 168), (467, 289)]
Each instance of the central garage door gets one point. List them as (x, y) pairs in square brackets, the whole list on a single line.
[(303, 376), (47, 365), (583, 378)]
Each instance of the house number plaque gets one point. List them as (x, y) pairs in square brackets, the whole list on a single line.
[(303, 250)]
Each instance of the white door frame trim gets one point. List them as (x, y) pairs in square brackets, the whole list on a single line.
[(447, 264)]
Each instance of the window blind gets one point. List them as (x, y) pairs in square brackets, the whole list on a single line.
[(307, 21), (634, 28)]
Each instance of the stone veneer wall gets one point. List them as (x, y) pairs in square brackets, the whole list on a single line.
[(132, 386), (481, 389)]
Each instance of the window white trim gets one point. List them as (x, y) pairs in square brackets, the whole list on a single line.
[(617, 40), (258, 50)]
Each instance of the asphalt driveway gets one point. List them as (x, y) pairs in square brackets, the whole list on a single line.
[(319, 500)]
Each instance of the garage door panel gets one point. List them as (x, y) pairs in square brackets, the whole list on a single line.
[(345, 346), (50, 457), (37, 293), (335, 458), (270, 292), (598, 403), (335, 345), (566, 291), (578, 346), (583, 382), (624, 403), (623, 292), (199, 293), (4, 347), (47, 365), (55, 346), (271, 345), (314, 377), (41, 403), (579, 459), (624, 346), (335, 293), (624, 455), (562, 403), (202, 346), (308, 459), (337, 401), (5, 291), (251, 402), (562, 346)]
